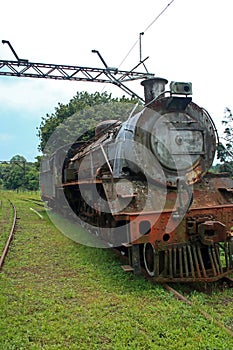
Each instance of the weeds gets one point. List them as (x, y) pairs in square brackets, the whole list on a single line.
[(57, 294)]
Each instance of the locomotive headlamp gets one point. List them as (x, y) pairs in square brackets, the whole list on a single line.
[(181, 88)]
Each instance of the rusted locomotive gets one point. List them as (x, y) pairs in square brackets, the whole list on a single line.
[(143, 185)]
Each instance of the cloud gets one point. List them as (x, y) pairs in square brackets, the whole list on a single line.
[(27, 95), (4, 137)]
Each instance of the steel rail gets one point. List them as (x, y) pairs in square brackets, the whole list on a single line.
[(10, 237), (210, 318)]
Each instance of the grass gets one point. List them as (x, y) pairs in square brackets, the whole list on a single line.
[(57, 294), (6, 218)]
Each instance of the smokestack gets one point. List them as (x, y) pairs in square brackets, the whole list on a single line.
[(153, 88)]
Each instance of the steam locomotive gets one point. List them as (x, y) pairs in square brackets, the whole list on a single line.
[(143, 185)]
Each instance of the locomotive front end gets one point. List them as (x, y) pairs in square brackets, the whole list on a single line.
[(190, 239), (179, 133)]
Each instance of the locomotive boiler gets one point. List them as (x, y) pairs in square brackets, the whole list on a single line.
[(143, 185)]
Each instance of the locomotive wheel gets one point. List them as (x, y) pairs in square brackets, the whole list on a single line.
[(148, 258)]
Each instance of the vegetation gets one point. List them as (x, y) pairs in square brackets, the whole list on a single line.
[(224, 167), (225, 150), (19, 174), (80, 116), (57, 294)]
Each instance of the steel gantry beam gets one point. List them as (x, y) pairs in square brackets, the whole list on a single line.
[(26, 69)]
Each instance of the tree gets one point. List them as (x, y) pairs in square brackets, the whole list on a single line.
[(18, 159), (225, 150), (19, 174), (32, 177), (85, 110)]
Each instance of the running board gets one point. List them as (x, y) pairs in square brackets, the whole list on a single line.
[(127, 268)]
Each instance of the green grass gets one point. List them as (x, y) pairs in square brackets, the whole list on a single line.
[(6, 220), (57, 294)]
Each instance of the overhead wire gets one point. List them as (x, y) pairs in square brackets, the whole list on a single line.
[(159, 15), (148, 27), (136, 42)]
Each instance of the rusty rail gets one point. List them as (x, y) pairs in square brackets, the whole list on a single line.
[(210, 318), (6, 248)]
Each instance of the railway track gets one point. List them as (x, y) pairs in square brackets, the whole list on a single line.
[(226, 280), (10, 237), (35, 201), (198, 309)]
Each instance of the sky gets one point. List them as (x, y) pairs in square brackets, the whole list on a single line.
[(191, 41)]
